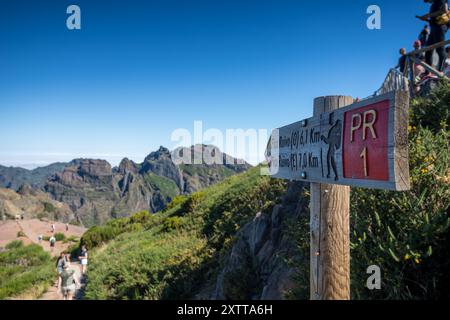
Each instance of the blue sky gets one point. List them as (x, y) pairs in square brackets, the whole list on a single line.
[(137, 70)]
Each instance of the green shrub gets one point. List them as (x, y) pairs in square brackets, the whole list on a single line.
[(70, 239), (433, 111), (48, 207), (172, 223), (176, 202), (192, 202), (23, 268), (141, 217), (21, 234), (14, 245), (98, 235), (42, 216), (60, 236)]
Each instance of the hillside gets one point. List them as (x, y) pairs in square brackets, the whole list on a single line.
[(178, 253), (31, 203), (14, 178), (248, 237)]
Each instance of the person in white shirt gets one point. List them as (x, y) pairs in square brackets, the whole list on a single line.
[(447, 62)]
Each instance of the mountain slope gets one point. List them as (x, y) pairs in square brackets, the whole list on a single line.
[(32, 203), (183, 251), (14, 178)]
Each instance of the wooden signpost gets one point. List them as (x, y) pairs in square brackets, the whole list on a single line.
[(362, 144)]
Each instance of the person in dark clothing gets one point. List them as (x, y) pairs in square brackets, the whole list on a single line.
[(437, 30), (402, 61), (423, 36)]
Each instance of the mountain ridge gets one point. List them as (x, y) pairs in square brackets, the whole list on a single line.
[(95, 191)]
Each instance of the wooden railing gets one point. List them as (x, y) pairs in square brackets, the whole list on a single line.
[(412, 59)]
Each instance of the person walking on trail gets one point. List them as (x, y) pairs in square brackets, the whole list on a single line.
[(84, 259), (40, 237), (52, 241), (424, 34), (438, 18), (402, 61), (68, 282), (67, 227), (63, 258), (53, 228)]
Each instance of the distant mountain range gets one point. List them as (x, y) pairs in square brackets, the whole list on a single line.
[(14, 177), (95, 192)]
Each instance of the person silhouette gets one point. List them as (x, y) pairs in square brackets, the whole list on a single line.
[(334, 143)]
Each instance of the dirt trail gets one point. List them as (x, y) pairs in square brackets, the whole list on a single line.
[(34, 227), (52, 292)]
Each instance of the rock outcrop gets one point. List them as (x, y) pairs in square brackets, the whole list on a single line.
[(31, 203), (257, 262)]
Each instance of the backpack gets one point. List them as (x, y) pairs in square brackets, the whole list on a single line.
[(443, 19)]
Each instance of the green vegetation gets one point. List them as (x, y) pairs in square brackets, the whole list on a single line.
[(166, 186), (60, 236), (23, 268), (99, 235), (48, 207), (407, 234), (175, 251), (194, 170)]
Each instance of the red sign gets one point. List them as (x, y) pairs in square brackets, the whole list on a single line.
[(365, 153)]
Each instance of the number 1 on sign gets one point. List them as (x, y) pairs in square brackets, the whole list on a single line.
[(363, 155)]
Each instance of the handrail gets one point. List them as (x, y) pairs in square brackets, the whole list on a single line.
[(432, 47)]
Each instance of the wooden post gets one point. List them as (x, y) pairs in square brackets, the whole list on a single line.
[(330, 228)]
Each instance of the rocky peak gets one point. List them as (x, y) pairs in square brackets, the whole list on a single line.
[(92, 168), (162, 153), (127, 166)]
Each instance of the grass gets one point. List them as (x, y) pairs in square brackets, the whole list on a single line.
[(175, 253), (167, 187), (24, 269), (171, 254)]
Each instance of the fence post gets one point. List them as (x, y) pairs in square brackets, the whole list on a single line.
[(330, 228)]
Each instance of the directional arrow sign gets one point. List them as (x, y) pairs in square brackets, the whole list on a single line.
[(364, 144)]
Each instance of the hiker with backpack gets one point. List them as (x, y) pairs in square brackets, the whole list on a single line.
[(68, 282), (52, 241), (439, 19)]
